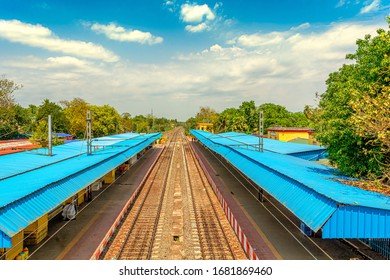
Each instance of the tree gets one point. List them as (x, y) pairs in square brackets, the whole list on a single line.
[(126, 122), (246, 118), (163, 124), (140, 124), (191, 123), (352, 119), (40, 122), (225, 120), (8, 124), (40, 135), (372, 121), (206, 114), (371, 102), (249, 115), (76, 112), (59, 121), (24, 119), (105, 120), (298, 119), (275, 115)]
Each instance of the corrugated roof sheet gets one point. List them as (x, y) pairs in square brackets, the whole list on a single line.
[(30, 190), (236, 139), (30, 160), (309, 190)]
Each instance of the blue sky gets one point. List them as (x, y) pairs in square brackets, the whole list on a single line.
[(174, 56)]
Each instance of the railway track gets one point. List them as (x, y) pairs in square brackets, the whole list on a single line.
[(215, 232), (177, 215), (134, 240)]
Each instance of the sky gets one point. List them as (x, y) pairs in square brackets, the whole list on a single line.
[(172, 57)]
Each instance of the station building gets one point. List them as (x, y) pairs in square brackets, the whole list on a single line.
[(205, 126), (292, 134)]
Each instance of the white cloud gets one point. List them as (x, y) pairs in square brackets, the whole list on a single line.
[(257, 40), (286, 68), (170, 5), (287, 72), (200, 18), (66, 61), (197, 28), (340, 3), (216, 48), (196, 13), (42, 37), (118, 33), (333, 43), (373, 7), (302, 26)]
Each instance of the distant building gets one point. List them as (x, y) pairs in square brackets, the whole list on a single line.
[(64, 136), (205, 127), (15, 146), (293, 134)]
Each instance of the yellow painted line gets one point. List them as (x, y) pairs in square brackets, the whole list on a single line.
[(76, 239), (262, 234)]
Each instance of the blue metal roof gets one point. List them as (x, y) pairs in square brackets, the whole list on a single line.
[(18, 163), (309, 190), (32, 185), (236, 139)]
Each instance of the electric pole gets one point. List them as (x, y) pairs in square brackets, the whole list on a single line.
[(49, 136), (261, 131), (89, 132)]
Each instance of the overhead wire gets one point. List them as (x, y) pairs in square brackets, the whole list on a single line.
[(279, 210)]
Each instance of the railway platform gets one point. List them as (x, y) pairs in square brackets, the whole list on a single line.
[(78, 239), (272, 234), (269, 223)]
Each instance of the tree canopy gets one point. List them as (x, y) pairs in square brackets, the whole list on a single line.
[(8, 122), (245, 118), (353, 117), (76, 111), (68, 117)]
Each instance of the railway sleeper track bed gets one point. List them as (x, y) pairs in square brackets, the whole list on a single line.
[(176, 215)]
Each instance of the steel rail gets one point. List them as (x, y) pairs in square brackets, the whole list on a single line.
[(190, 152), (137, 216)]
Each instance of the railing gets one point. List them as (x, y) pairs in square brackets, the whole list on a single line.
[(380, 245)]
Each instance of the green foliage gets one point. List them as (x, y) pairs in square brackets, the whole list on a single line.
[(190, 124), (40, 135), (163, 124), (75, 112), (23, 117), (350, 116), (246, 118), (126, 122), (8, 123), (206, 114), (105, 120), (249, 117), (60, 123), (277, 115), (298, 119), (141, 124), (70, 118), (147, 124)]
